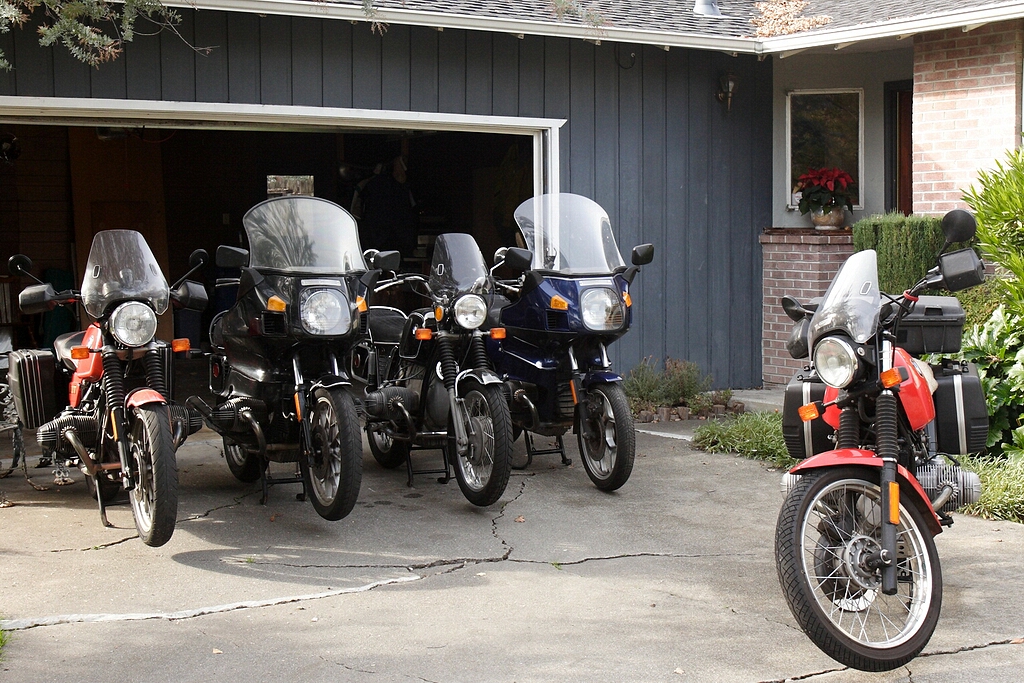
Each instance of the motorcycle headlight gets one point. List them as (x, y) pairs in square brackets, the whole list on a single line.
[(835, 361), (602, 309), (470, 311), (133, 323), (325, 311)]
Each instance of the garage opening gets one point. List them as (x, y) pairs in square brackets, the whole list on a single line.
[(187, 188)]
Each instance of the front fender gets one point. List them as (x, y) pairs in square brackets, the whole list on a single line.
[(864, 458), (329, 382), (600, 377), (481, 375), (144, 396)]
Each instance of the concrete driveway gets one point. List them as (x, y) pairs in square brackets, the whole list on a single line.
[(669, 579)]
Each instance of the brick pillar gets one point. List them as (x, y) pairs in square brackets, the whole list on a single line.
[(967, 108), (800, 263)]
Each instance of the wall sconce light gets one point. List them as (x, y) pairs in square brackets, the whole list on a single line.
[(727, 88)]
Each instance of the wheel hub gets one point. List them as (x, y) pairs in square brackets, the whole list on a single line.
[(855, 560)]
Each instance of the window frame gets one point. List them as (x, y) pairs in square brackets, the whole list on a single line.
[(861, 186)]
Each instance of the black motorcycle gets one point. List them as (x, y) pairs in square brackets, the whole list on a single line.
[(275, 360), (428, 382)]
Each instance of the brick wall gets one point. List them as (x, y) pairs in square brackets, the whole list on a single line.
[(800, 263), (967, 108)]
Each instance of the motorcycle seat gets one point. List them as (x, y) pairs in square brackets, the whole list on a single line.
[(385, 324), (63, 344)]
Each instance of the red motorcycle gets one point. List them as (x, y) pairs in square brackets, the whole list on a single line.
[(119, 426), (880, 429)]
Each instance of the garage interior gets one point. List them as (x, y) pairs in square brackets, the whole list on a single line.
[(188, 188)]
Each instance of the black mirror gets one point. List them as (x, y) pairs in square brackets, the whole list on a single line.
[(191, 296), (794, 309), (232, 257), (959, 226), (518, 259), (198, 259), (643, 254), (961, 269), (19, 264), (387, 260), (37, 299), (798, 344)]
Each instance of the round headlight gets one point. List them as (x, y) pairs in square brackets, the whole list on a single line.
[(835, 362), (470, 311), (133, 323), (602, 309), (325, 311)]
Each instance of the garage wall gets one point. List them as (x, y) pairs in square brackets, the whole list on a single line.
[(645, 137)]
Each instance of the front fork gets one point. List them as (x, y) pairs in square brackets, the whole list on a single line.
[(887, 448), (449, 371), (113, 389)]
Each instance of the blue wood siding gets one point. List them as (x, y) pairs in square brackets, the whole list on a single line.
[(645, 137)]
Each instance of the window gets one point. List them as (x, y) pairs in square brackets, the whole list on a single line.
[(825, 129)]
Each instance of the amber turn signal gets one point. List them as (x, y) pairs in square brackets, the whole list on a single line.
[(276, 303), (180, 345), (891, 378), (438, 313), (298, 410), (361, 304), (497, 333), (808, 412), (559, 304), (79, 352), (894, 503), (627, 298), (423, 334)]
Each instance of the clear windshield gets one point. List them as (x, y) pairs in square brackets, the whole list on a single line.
[(122, 267), (852, 301), (458, 265), (303, 235), (568, 234)]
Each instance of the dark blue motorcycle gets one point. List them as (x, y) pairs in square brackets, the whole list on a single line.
[(560, 317)]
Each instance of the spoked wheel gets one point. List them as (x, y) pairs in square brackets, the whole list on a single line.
[(334, 470), (243, 464), (607, 440), (483, 470), (155, 496), (828, 526), (388, 452)]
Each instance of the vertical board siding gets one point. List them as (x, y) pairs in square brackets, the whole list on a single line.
[(645, 137)]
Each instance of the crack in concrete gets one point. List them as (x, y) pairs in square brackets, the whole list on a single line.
[(96, 547), (501, 514), (584, 560), (969, 648), (202, 515)]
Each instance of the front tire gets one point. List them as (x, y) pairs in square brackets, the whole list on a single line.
[(155, 496), (483, 470), (828, 524), (388, 452), (334, 470), (607, 441)]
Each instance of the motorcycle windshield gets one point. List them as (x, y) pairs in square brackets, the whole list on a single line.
[(458, 265), (568, 234), (302, 234), (121, 267), (851, 302)]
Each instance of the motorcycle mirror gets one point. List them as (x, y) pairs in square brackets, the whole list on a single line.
[(958, 226), (798, 344), (387, 260), (232, 257), (961, 269), (191, 296), (499, 255), (643, 254), (19, 264), (518, 259), (198, 259), (794, 309)]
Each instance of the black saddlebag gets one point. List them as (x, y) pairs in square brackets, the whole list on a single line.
[(961, 416), (33, 384), (804, 439), (936, 325)]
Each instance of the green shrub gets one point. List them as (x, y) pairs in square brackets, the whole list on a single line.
[(642, 386), (907, 247), (752, 435), (1002, 488), (979, 303), (997, 347), (647, 387)]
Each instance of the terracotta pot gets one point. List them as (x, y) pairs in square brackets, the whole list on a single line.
[(832, 220)]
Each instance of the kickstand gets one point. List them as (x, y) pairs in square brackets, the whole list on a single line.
[(532, 451), (101, 503)]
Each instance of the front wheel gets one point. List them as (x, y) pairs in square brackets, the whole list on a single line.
[(388, 452), (829, 525), (483, 470), (244, 465), (333, 471), (606, 438), (155, 496)]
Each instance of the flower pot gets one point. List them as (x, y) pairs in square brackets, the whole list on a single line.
[(832, 220)]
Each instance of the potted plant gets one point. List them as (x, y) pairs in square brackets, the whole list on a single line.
[(825, 193)]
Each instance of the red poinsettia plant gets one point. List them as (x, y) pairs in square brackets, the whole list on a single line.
[(825, 189)]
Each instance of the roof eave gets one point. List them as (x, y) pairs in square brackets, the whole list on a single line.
[(327, 10), (906, 27)]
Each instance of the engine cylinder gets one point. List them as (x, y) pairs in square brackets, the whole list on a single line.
[(50, 435), (935, 477), (383, 403)]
